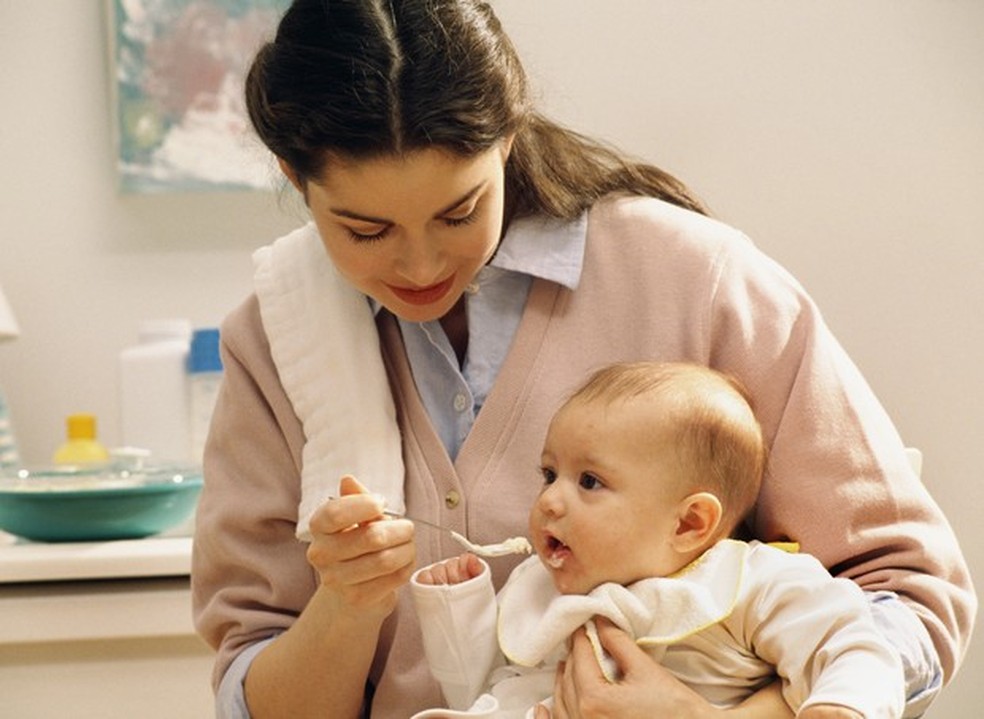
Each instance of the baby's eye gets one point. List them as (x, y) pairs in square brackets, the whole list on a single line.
[(549, 476), (589, 481)]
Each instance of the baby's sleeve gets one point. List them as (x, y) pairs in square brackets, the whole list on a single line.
[(458, 623), (819, 633)]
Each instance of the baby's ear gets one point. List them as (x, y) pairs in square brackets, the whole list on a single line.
[(698, 518)]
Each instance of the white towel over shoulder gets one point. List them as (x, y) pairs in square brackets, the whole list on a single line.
[(324, 342)]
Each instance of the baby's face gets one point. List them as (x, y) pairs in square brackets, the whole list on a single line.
[(608, 504)]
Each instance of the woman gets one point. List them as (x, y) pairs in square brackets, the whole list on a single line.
[(504, 257)]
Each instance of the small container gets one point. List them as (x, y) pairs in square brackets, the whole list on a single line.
[(204, 378), (8, 442), (81, 447), (154, 402)]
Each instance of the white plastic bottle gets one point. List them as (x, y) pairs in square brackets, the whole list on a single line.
[(154, 400), (204, 378)]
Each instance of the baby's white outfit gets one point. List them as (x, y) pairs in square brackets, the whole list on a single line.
[(725, 625)]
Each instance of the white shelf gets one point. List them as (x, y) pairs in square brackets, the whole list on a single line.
[(22, 561)]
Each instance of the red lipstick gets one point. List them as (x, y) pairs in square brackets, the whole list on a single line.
[(423, 295)]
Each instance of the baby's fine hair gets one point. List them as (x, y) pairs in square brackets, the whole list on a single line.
[(707, 415), (360, 79)]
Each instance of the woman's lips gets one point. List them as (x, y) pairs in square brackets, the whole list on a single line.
[(423, 295)]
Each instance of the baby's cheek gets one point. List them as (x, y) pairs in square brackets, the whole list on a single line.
[(619, 562)]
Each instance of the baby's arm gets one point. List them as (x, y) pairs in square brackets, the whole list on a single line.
[(451, 571), (819, 634), (456, 605)]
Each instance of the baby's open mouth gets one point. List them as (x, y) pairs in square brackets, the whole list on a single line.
[(557, 552)]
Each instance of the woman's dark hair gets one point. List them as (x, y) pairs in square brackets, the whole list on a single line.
[(368, 78)]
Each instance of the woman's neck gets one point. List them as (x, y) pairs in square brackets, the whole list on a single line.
[(455, 325)]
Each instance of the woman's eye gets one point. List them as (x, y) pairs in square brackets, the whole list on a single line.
[(589, 481), (367, 236), (549, 476), (459, 221)]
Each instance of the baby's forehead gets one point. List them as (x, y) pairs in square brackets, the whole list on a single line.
[(613, 402), (649, 415)]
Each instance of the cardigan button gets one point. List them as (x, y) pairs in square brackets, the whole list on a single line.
[(452, 499)]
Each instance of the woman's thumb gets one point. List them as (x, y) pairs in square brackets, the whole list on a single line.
[(348, 484), (619, 645)]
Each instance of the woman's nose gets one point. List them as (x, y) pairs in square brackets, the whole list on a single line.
[(421, 261)]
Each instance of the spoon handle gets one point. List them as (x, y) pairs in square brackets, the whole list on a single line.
[(415, 520)]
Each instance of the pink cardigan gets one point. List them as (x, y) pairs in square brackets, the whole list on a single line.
[(658, 282)]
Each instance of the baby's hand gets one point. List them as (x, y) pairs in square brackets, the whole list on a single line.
[(451, 571)]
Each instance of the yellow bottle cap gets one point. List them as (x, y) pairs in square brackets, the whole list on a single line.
[(81, 426)]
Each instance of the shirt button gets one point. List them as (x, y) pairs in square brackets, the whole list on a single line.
[(460, 402), (451, 499)]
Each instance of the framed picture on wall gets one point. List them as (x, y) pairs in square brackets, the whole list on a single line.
[(178, 68)]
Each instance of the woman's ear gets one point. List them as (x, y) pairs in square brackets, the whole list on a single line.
[(698, 518), (505, 147)]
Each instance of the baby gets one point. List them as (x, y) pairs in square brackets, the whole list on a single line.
[(648, 469)]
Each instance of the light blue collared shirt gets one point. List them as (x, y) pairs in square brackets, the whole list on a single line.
[(532, 247), (553, 250)]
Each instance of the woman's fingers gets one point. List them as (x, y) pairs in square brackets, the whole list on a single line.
[(644, 689), (363, 553), (626, 653), (361, 556), (355, 506), (348, 484), (562, 689), (366, 580), (584, 667)]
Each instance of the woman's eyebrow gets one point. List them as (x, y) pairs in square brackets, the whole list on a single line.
[(463, 199), (361, 218), (341, 212)]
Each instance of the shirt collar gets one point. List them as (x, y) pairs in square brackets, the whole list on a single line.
[(545, 247)]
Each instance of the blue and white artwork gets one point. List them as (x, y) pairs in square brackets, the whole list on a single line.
[(179, 68)]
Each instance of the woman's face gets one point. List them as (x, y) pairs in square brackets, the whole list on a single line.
[(411, 231)]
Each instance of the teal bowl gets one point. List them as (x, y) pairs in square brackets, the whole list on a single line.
[(96, 504)]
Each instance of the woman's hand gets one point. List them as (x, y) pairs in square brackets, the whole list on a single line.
[(451, 571), (362, 559), (361, 556), (646, 689)]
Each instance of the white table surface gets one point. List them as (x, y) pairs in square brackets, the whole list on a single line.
[(159, 556)]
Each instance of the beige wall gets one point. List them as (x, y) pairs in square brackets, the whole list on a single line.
[(847, 138)]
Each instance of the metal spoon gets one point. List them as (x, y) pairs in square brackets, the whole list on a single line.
[(513, 545)]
